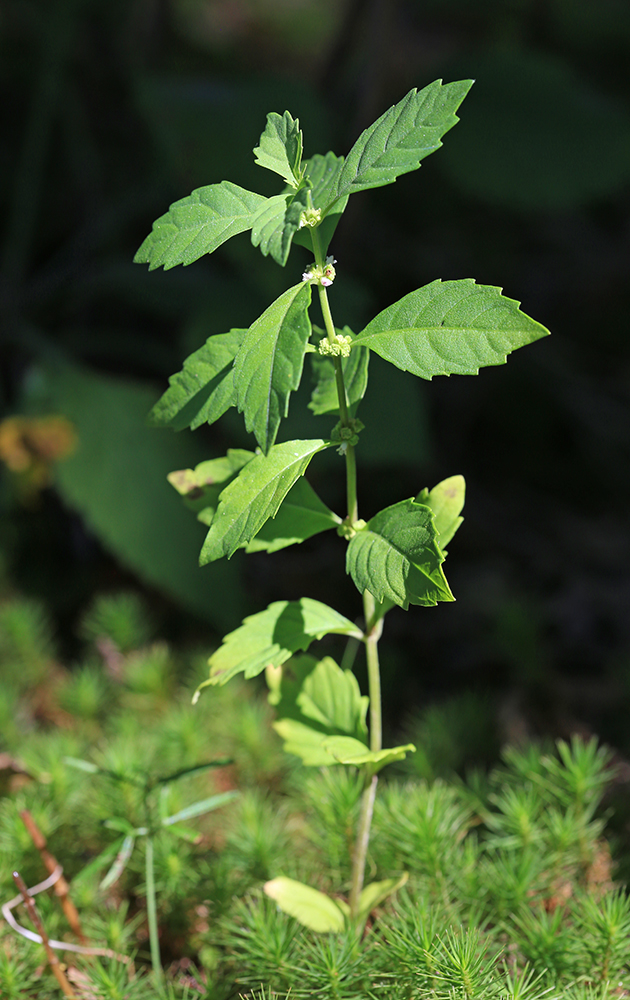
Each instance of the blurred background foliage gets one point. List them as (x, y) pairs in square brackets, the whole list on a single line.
[(113, 109)]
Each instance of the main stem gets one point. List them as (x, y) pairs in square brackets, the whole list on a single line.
[(373, 623)]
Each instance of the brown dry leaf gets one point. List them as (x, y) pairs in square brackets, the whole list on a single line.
[(82, 983)]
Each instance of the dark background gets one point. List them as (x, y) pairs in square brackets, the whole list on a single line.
[(113, 109)]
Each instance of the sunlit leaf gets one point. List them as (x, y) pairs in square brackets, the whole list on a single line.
[(270, 637), (198, 224), (396, 557), (268, 366), (310, 907), (446, 501), (255, 495), (450, 328), (399, 139), (280, 147)]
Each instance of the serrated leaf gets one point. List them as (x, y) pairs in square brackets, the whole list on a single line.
[(280, 147), (376, 892), (314, 700), (450, 328), (202, 486), (347, 750), (446, 501), (310, 907), (203, 390), (355, 373), (255, 495), (198, 224), (268, 366), (301, 515), (396, 557), (277, 222), (400, 138), (270, 637)]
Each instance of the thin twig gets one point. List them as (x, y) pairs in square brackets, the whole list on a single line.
[(59, 945), (51, 864), (53, 961)]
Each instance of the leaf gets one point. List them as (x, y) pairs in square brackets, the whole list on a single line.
[(202, 486), (446, 501), (255, 496), (396, 556), (376, 892), (200, 808), (301, 515), (270, 637), (280, 147), (204, 390), (314, 700), (268, 366), (400, 138), (450, 328), (311, 908), (347, 750), (355, 373), (198, 224), (277, 222)]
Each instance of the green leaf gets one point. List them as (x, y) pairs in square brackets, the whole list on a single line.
[(270, 637), (396, 556), (314, 700), (450, 328), (446, 501), (311, 908), (268, 366), (202, 486), (277, 222), (376, 892), (355, 372), (198, 224), (200, 808), (280, 147), (347, 750), (400, 139), (255, 496), (301, 515), (204, 390)]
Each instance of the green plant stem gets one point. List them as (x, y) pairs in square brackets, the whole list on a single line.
[(372, 635), (156, 961), (359, 855), (373, 626)]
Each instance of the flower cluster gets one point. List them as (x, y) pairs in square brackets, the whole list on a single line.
[(340, 346), (321, 275)]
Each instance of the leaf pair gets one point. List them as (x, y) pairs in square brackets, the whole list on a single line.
[(393, 145), (254, 370), (322, 913)]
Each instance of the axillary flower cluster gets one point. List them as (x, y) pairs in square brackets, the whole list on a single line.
[(319, 274)]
